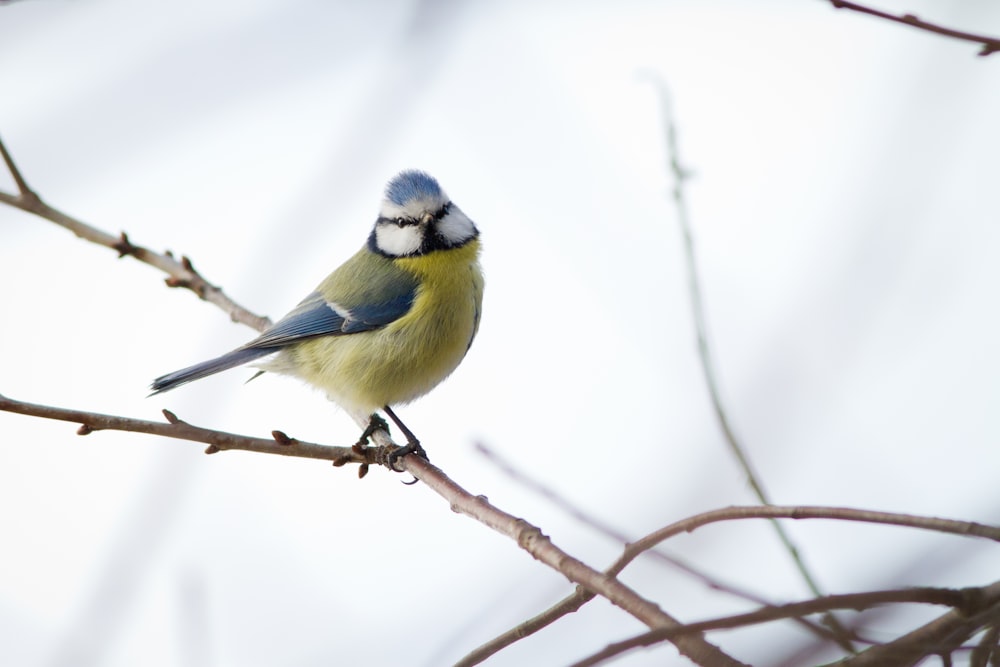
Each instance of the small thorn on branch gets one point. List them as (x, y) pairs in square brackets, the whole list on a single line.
[(212, 449), (195, 282), (85, 429), (282, 439), (124, 246), (171, 417)]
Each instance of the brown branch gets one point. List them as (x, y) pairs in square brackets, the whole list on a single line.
[(581, 596), (988, 648), (613, 533), (989, 44), (941, 636), (531, 539), (217, 441), (632, 551), (567, 605), (180, 273), (967, 601), (528, 537), (953, 527)]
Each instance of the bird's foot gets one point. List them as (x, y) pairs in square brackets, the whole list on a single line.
[(375, 423), (411, 447)]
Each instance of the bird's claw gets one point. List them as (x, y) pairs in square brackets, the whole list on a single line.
[(375, 423), (409, 448)]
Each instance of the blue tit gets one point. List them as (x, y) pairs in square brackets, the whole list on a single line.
[(390, 323)]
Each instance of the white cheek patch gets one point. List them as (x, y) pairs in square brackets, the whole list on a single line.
[(398, 241), (456, 228)]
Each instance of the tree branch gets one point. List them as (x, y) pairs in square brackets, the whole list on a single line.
[(632, 551), (581, 596), (613, 533), (942, 635), (950, 526), (217, 441), (179, 273), (989, 44), (967, 601), (531, 539)]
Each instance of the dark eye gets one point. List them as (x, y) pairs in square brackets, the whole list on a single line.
[(400, 222)]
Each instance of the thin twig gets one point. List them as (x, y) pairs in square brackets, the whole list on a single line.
[(736, 513), (987, 648), (978, 599), (180, 273), (23, 190), (736, 448), (989, 44), (968, 600), (613, 533), (939, 637), (581, 596), (531, 539), (217, 441)]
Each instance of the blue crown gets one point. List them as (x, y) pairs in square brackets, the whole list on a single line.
[(411, 185)]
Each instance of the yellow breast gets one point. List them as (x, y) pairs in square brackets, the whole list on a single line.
[(411, 355)]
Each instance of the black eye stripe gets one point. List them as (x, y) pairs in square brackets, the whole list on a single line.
[(408, 222), (398, 222), (443, 212)]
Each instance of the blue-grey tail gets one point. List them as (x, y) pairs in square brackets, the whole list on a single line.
[(211, 367)]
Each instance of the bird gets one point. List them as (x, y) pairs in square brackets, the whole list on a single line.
[(389, 324)]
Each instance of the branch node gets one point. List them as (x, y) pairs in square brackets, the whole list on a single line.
[(972, 602), (30, 200), (85, 429), (282, 439), (212, 449), (124, 246), (171, 417), (362, 470)]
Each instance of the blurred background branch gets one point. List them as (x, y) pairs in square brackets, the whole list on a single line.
[(989, 44), (680, 174)]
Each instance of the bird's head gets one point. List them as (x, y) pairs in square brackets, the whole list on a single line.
[(417, 218)]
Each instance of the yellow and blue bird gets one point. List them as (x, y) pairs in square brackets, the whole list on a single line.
[(389, 324)]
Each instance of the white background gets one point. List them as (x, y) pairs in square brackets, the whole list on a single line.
[(846, 207)]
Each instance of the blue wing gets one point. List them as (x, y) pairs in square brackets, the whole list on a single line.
[(380, 294), (316, 316)]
